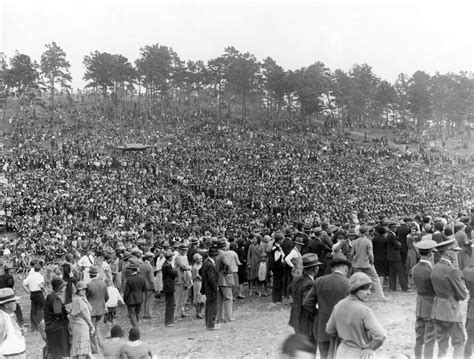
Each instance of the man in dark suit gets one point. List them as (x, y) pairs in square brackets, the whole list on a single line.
[(210, 288), (316, 246), (402, 232), (287, 245), (133, 294), (449, 290), (424, 325), (276, 266), (301, 319), (169, 277), (394, 259), (326, 292), (97, 295)]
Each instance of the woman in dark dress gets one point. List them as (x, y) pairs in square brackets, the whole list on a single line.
[(56, 321)]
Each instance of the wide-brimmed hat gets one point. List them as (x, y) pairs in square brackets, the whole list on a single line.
[(339, 258), (7, 266), (221, 243), (7, 295), (311, 260), (94, 270), (299, 241), (213, 251), (278, 236), (357, 280), (193, 240), (450, 244)]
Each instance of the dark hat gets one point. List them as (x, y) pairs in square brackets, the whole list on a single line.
[(465, 219), (324, 224), (126, 256), (299, 241), (221, 243), (339, 258), (352, 232), (459, 226), (94, 270), (289, 231), (194, 240), (450, 244), (278, 236), (149, 254), (7, 266), (213, 251), (57, 284), (133, 266), (307, 227), (393, 223), (311, 260), (69, 257)]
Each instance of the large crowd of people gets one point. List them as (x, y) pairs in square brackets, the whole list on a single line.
[(213, 212)]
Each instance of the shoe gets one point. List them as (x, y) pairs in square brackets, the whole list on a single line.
[(199, 316), (216, 327), (240, 297), (169, 325)]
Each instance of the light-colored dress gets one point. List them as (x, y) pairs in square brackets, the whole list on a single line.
[(198, 298), (81, 341)]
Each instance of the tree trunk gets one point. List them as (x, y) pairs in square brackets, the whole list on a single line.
[(51, 85), (244, 108), (4, 109)]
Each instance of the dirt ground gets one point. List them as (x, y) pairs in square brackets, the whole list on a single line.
[(258, 331)]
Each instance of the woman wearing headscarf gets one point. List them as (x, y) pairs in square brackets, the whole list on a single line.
[(354, 324), (81, 322), (56, 321)]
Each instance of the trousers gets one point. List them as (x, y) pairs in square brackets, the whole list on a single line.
[(425, 338), (225, 300), (396, 269), (210, 313), (181, 295), (169, 308), (148, 298), (37, 307), (277, 289), (445, 331), (134, 313), (470, 338)]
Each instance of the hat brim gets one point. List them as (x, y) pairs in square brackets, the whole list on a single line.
[(309, 265), (9, 300), (337, 261)]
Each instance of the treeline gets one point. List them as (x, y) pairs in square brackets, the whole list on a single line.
[(236, 83)]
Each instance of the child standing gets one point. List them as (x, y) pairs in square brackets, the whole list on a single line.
[(115, 298)]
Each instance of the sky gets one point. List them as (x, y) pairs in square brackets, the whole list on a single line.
[(390, 36)]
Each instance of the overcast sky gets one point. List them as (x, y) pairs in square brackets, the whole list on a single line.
[(390, 36)]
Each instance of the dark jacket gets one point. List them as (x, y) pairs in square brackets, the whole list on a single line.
[(402, 233), (393, 247), (169, 276), (133, 293), (301, 319), (325, 292), (209, 279)]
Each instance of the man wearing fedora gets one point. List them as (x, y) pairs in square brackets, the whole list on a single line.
[(7, 281), (133, 294), (449, 290), (146, 271), (225, 280), (326, 292), (301, 319), (210, 288), (394, 259), (424, 325), (12, 341)]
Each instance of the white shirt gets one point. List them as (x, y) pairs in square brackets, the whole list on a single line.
[(114, 297), (86, 261), (34, 281)]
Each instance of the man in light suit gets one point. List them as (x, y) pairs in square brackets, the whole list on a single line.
[(424, 325), (146, 271), (363, 260), (225, 280), (449, 290), (97, 295), (326, 292), (184, 281)]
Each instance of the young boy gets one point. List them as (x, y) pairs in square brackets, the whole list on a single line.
[(115, 298)]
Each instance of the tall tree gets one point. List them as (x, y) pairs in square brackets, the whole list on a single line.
[(275, 84), (195, 79), (420, 98), (23, 78), (366, 86), (385, 100), (242, 75), (216, 78), (99, 73), (55, 69)]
